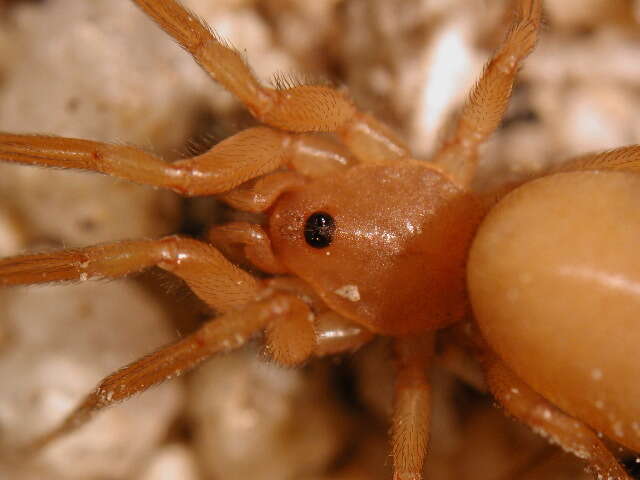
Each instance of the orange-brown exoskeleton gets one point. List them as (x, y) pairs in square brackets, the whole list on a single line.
[(363, 240)]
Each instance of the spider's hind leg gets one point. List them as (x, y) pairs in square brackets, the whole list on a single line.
[(520, 401)]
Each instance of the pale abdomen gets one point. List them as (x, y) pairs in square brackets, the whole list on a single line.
[(554, 281)]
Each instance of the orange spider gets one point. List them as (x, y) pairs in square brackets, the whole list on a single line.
[(364, 240)]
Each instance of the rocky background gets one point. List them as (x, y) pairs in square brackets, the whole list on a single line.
[(100, 70)]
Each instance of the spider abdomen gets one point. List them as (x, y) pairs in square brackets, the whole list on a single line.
[(554, 280)]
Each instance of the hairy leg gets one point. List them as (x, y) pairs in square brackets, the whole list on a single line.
[(489, 100), (232, 162), (246, 155), (223, 334), (241, 157), (546, 419), (301, 108), (213, 278), (412, 406), (625, 159)]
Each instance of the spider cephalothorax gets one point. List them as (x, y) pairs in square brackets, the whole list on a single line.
[(417, 239)]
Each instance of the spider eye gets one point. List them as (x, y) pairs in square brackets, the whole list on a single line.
[(318, 230)]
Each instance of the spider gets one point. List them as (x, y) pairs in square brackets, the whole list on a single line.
[(344, 267)]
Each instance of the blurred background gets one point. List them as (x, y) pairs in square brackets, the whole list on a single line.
[(100, 70)]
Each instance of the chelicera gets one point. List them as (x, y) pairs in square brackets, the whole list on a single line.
[(362, 240)]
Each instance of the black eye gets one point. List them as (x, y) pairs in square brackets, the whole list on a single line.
[(318, 231)]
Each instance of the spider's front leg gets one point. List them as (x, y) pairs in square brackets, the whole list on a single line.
[(232, 162), (303, 108), (241, 157)]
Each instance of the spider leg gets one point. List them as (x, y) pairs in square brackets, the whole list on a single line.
[(543, 417), (412, 406), (622, 159), (237, 159), (302, 108), (213, 278), (222, 334), (241, 157), (312, 156), (489, 100)]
